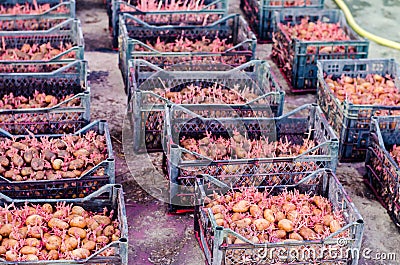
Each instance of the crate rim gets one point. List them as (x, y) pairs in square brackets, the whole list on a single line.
[(116, 189), (74, 21), (170, 12), (251, 37), (283, 1), (133, 63), (313, 11), (359, 221), (29, 74), (80, 45), (58, 107), (71, 13)]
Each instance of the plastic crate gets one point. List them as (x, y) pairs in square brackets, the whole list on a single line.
[(56, 14), (147, 136), (233, 28), (383, 172), (58, 79), (56, 8), (260, 14), (31, 24), (213, 239), (110, 197), (213, 11), (295, 126), (64, 188), (302, 73), (352, 122), (67, 32)]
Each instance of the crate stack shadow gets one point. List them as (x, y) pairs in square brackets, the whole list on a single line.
[(51, 151)]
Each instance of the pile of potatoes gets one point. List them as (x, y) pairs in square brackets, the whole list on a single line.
[(46, 232)]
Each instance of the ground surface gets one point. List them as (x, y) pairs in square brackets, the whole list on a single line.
[(158, 238)]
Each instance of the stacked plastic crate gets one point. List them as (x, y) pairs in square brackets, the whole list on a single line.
[(302, 33), (360, 100), (51, 154), (161, 13), (196, 93)]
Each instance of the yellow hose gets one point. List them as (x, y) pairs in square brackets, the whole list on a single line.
[(352, 23)]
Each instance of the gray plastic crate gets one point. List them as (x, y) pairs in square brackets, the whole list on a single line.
[(31, 24), (383, 171), (63, 188), (233, 28), (56, 8), (58, 79), (110, 197), (342, 250), (145, 77), (213, 11), (295, 126), (302, 73), (67, 32), (260, 14), (352, 122)]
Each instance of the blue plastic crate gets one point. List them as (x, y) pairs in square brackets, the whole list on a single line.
[(293, 56), (260, 14), (350, 121), (383, 171)]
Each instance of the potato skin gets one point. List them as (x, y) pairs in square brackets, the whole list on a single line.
[(53, 254), (34, 219), (53, 243), (5, 230), (78, 221), (101, 219), (78, 210), (32, 242), (77, 232), (102, 240), (32, 257), (3, 250), (11, 255), (80, 253), (109, 230), (89, 245), (58, 223), (28, 250), (71, 243)]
